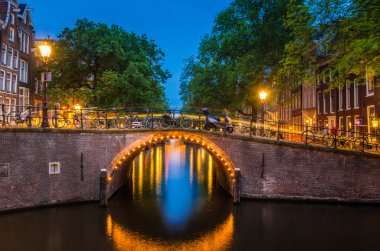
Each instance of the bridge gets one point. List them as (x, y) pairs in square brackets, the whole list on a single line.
[(90, 165)]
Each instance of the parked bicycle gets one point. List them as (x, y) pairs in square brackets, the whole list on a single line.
[(25, 118), (134, 121), (169, 120)]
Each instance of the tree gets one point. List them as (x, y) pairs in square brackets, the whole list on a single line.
[(108, 66), (242, 53)]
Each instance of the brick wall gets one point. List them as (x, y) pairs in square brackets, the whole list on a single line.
[(268, 169)]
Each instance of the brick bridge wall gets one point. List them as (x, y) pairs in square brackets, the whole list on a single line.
[(278, 170)]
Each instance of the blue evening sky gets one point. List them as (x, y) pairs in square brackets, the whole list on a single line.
[(177, 26)]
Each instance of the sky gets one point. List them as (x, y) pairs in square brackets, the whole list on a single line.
[(177, 26)]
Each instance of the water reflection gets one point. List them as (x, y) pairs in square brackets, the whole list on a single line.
[(175, 202)]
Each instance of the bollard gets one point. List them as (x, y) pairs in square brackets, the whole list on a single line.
[(237, 187)]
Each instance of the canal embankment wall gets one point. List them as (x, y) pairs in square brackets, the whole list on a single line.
[(268, 169)]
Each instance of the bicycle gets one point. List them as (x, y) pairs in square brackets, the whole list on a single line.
[(134, 121), (28, 118), (169, 120), (312, 136), (59, 120)]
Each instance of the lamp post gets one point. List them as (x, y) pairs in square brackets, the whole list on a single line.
[(263, 96), (45, 50)]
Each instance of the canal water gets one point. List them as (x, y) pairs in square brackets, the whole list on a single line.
[(175, 203)]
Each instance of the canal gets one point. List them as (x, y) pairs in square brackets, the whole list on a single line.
[(174, 202)]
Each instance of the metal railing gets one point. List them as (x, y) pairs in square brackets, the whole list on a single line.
[(129, 118)]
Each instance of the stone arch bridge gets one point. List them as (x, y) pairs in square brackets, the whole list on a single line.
[(91, 166)]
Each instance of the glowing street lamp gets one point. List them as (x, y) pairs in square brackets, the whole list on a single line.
[(375, 122), (263, 96), (45, 51)]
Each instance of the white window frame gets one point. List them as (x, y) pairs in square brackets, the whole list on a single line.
[(14, 83), (369, 118), (12, 19), (332, 109), (348, 95), (10, 58), (16, 56), (348, 125), (10, 82), (356, 94), (340, 97), (367, 86), (2, 83), (4, 51), (324, 103), (11, 34), (319, 102), (23, 71), (54, 168)]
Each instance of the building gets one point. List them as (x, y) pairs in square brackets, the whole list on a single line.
[(16, 36)]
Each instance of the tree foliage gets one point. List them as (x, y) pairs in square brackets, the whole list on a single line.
[(276, 43), (103, 65)]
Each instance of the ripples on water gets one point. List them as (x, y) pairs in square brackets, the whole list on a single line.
[(174, 203)]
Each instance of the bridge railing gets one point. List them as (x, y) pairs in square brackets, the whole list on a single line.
[(358, 137)]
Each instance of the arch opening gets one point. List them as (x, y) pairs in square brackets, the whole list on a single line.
[(122, 163)]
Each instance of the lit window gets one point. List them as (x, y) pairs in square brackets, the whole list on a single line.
[(370, 86), (11, 34), (54, 168)]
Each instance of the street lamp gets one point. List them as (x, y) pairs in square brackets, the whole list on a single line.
[(45, 51), (263, 96)]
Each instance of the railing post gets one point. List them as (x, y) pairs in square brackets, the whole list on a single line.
[(250, 126), (55, 117), (278, 130), (306, 136), (363, 146), (3, 114), (81, 118), (29, 121)]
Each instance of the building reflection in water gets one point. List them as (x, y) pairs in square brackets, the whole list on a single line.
[(173, 185)]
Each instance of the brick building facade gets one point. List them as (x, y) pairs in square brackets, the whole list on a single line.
[(16, 34)]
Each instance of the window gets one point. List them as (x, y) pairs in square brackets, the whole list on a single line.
[(325, 98), (348, 95), (340, 97), (10, 58), (11, 34), (370, 86), (15, 59), (54, 168), (320, 102), (2, 80), (348, 124), (12, 19), (13, 104), (23, 98), (24, 42), (370, 116), (332, 102), (356, 94), (23, 71), (8, 105), (8, 82), (14, 83), (3, 54), (341, 123)]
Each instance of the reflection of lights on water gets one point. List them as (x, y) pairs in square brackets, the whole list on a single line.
[(209, 179), (124, 239)]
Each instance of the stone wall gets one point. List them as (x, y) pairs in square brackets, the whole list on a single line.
[(268, 169)]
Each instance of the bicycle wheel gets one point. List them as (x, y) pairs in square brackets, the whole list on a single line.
[(185, 122), (35, 121), (58, 121), (100, 122), (165, 122), (361, 144), (77, 120), (151, 123), (12, 119), (306, 136), (120, 122)]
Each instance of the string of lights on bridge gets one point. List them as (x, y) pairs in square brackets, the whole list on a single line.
[(138, 147)]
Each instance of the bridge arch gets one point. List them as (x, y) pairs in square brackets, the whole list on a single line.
[(122, 161)]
